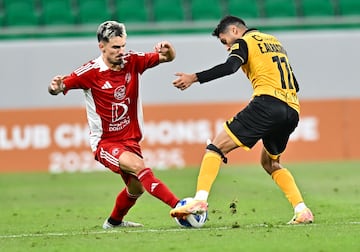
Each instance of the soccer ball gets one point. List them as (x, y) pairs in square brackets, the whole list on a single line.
[(192, 220)]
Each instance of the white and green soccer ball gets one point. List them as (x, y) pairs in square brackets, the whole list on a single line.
[(192, 220)]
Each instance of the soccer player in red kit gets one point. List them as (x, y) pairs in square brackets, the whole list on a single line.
[(114, 112)]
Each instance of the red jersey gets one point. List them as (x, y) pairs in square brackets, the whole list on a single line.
[(113, 105)]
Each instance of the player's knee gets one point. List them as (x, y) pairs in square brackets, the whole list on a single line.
[(270, 165), (212, 147), (134, 168), (137, 168), (136, 191)]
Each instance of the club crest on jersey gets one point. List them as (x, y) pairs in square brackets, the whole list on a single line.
[(120, 92), (115, 151)]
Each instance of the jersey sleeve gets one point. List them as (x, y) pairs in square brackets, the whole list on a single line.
[(145, 60), (239, 49), (238, 55), (79, 79)]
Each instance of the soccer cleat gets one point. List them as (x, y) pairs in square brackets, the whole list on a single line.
[(303, 217), (108, 225), (194, 207)]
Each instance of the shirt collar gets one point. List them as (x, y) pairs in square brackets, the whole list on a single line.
[(250, 30), (102, 65)]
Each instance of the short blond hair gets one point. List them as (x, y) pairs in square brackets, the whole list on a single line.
[(110, 29)]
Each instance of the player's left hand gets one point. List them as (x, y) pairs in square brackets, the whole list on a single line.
[(162, 47), (184, 81), (166, 51)]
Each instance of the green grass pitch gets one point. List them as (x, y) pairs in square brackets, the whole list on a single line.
[(64, 212)]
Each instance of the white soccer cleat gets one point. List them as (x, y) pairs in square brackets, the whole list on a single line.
[(194, 207), (108, 225), (303, 217)]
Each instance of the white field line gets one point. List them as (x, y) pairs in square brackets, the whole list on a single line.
[(118, 230), (137, 230)]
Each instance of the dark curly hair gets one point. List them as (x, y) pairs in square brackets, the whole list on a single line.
[(225, 22)]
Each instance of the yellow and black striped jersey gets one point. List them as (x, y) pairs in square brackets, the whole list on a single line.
[(267, 66)]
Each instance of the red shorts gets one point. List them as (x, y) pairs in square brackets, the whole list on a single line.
[(108, 153)]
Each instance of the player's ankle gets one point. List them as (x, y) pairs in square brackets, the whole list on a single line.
[(113, 221), (201, 195), (300, 207)]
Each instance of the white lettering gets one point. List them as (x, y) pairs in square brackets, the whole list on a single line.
[(162, 159), (73, 162), (71, 135), (28, 136), (5, 142), (119, 126), (41, 137), (167, 132)]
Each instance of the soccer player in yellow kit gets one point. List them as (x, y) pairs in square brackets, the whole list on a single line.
[(272, 114)]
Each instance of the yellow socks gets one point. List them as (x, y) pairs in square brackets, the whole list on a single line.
[(208, 171), (210, 168), (286, 182)]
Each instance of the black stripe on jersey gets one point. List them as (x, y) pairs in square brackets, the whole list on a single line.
[(240, 49)]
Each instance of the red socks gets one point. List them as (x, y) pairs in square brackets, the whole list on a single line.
[(156, 187), (123, 203), (124, 200)]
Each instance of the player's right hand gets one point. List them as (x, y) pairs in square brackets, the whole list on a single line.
[(184, 80)]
